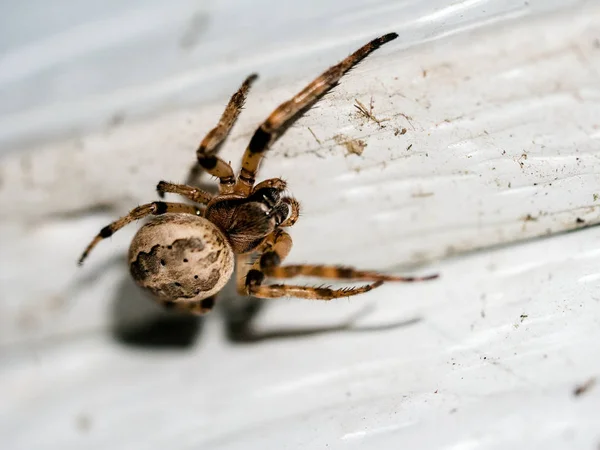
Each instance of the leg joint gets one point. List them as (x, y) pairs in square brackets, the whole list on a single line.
[(269, 260), (254, 278)]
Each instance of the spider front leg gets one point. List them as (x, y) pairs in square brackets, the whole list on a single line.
[(154, 208), (275, 248), (209, 146), (291, 110), (190, 192)]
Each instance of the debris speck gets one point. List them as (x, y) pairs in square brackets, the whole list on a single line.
[(399, 131), (596, 197), (523, 317), (408, 119), (314, 135), (353, 146), (579, 221), (83, 422), (409, 147), (421, 194), (368, 113), (117, 119), (195, 30), (583, 388), (529, 218)]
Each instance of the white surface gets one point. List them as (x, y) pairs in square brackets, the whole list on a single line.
[(66, 72), (473, 105), (473, 373)]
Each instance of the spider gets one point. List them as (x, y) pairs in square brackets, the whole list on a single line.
[(187, 253)]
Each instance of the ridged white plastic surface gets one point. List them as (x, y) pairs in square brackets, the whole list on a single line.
[(489, 135)]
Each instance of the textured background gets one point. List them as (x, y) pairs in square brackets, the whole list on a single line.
[(500, 102)]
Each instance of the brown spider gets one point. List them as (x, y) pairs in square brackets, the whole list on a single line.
[(186, 255)]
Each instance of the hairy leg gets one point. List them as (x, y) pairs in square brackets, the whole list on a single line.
[(276, 247), (154, 208), (191, 192), (209, 146), (291, 110)]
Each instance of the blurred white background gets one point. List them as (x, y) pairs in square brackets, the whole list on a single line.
[(486, 156)]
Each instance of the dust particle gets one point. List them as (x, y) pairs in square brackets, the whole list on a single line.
[(368, 113), (421, 194), (83, 422), (585, 387), (194, 31), (117, 119), (314, 135), (579, 221), (353, 146)]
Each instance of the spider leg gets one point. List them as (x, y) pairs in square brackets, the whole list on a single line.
[(209, 146), (289, 111), (198, 308), (275, 248), (338, 273), (154, 208), (191, 192)]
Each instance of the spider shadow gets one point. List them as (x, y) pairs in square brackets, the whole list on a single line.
[(138, 321), (240, 312)]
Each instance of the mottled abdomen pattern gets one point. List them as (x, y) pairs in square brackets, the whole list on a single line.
[(180, 258)]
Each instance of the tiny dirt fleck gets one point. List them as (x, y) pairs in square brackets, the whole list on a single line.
[(368, 113), (353, 146), (193, 32), (584, 387), (83, 422)]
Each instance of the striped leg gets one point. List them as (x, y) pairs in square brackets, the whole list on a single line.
[(291, 110), (276, 248), (154, 208), (198, 308), (209, 146), (338, 273), (191, 192)]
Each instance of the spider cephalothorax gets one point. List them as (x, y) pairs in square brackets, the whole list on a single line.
[(187, 253)]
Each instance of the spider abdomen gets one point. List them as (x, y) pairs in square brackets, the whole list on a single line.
[(180, 258)]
